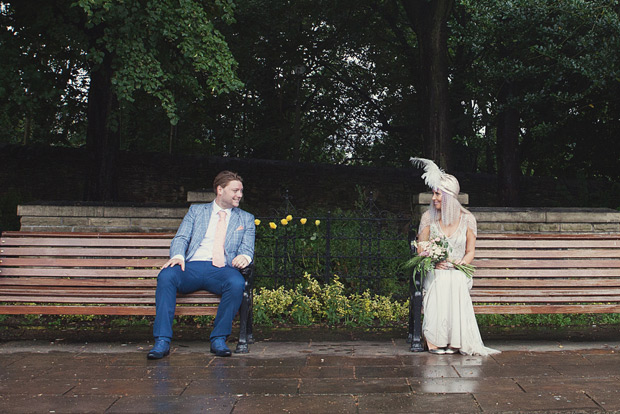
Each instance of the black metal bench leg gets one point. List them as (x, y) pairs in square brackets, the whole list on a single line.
[(242, 345), (249, 330), (410, 324), (415, 317), (245, 314)]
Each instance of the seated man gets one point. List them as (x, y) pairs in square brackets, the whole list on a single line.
[(213, 241)]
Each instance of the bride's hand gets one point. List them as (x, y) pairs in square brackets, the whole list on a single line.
[(443, 265)]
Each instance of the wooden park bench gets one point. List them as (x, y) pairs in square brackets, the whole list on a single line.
[(537, 274), (97, 274)]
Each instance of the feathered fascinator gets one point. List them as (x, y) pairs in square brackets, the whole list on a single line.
[(432, 173)]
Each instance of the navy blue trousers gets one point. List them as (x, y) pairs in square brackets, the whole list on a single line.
[(198, 275)]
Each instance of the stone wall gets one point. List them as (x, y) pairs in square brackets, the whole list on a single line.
[(136, 218), (546, 220), (100, 218)]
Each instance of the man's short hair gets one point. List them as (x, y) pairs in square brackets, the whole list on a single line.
[(224, 177)]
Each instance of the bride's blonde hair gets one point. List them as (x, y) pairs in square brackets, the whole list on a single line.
[(451, 208)]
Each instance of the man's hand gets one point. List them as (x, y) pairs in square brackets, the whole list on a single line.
[(174, 261), (240, 262)]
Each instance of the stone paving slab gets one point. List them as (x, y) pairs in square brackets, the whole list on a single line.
[(380, 376)]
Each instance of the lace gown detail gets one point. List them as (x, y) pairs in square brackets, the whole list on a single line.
[(449, 318)]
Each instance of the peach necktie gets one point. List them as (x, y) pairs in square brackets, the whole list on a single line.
[(218, 243)]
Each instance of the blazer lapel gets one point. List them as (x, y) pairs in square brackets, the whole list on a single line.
[(232, 226), (203, 222)]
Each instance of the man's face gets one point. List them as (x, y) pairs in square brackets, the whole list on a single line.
[(229, 196)]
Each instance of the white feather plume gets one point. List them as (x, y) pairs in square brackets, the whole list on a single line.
[(432, 173)]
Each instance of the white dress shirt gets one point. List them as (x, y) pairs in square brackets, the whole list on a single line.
[(205, 251)]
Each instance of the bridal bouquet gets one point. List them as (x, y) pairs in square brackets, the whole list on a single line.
[(432, 252)]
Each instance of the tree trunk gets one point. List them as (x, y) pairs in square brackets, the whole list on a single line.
[(102, 136), (508, 149), (27, 124), (428, 19)]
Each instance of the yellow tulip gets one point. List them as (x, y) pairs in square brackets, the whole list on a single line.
[(273, 225), (289, 218), (317, 222), (303, 220), (284, 222), (257, 222)]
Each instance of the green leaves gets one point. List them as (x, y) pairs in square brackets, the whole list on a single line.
[(167, 48)]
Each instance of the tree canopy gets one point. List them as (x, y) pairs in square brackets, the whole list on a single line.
[(513, 88)]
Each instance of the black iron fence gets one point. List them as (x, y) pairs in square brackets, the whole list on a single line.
[(364, 248)]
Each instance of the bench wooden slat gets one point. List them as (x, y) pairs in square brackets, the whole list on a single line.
[(85, 242), (81, 262), (85, 251), (115, 282), (89, 235), (192, 299), (545, 273), (541, 309), (100, 310), (72, 272), (548, 236), (98, 290), (547, 292), (514, 298), (549, 254), (540, 263), (542, 283), (547, 244)]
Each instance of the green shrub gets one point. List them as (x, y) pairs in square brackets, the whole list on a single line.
[(311, 302)]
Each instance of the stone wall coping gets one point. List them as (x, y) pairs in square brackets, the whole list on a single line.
[(47, 210), (546, 214), (201, 196)]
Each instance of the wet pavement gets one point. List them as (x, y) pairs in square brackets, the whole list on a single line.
[(309, 376)]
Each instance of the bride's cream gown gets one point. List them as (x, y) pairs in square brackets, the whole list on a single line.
[(449, 318)]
